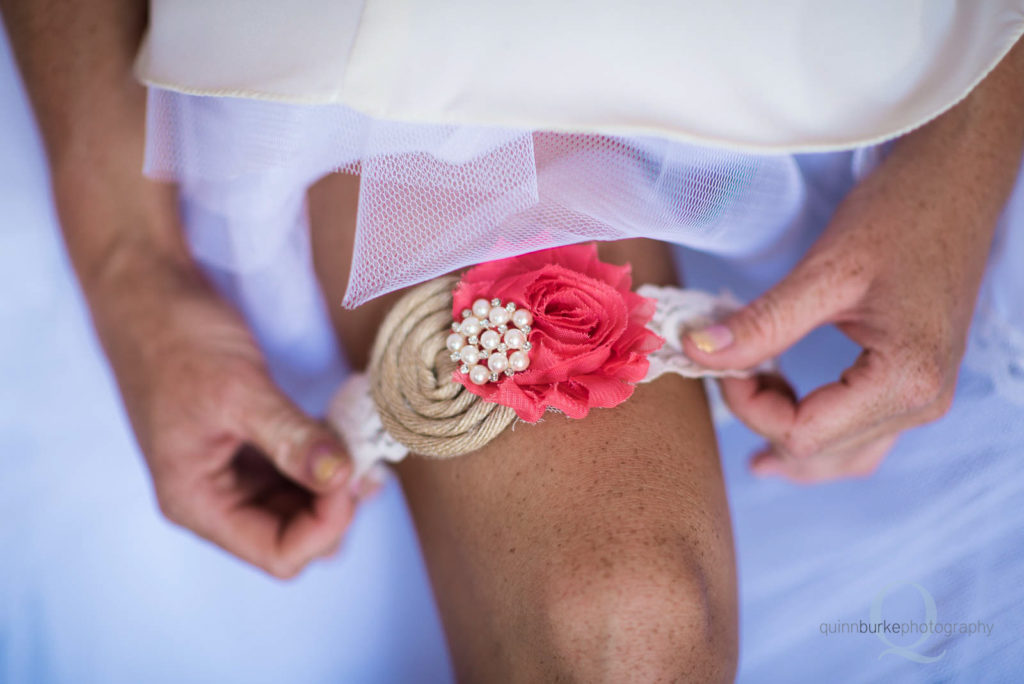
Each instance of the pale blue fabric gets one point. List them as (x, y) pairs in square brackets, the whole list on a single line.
[(96, 587)]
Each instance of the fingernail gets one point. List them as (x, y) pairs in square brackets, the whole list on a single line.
[(326, 464), (712, 339)]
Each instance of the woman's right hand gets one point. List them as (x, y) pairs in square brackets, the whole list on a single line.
[(232, 459)]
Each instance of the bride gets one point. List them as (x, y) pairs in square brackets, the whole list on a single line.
[(593, 549)]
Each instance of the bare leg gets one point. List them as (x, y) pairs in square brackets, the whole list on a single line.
[(592, 550), (332, 217)]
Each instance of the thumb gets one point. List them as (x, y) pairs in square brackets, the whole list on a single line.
[(301, 448), (805, 299)]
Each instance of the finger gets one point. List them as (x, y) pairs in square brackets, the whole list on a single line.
[(866, 397), (302, 449), (766, 403), (319, 532), (833, 417), (333, 550), (812, 294), (860, 461), (282, 546), (366, 487)]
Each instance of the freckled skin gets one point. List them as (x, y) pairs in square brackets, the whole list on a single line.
[(594, 550)]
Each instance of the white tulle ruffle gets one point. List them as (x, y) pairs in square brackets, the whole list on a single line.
[(437, 198)]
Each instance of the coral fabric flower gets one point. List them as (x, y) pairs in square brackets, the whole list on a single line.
[(589, 336)]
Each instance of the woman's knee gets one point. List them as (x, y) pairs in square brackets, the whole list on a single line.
[(642, 616)]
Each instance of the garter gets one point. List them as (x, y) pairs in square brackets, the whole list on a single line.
[(457, 361)]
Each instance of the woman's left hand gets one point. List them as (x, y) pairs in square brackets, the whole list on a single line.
[(898, 271)]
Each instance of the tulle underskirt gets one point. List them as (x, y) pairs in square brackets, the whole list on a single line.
[(436, 198)]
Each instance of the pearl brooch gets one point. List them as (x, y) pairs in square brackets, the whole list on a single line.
[(491, 340)]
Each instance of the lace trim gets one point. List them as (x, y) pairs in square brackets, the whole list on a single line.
[(354, 416), (678, 312)]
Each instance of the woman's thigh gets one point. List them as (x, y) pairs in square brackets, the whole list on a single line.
[(594, 549)]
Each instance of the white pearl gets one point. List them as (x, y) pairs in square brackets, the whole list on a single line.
[(519, 361), (481, 308), (469, 355), (499, 315), (455, 342), (497, 362), (490, 339), (515, 339), (522, 317), (470, 326), (479, 375)]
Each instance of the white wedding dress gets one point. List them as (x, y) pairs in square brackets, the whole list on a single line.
[(730, 129)]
